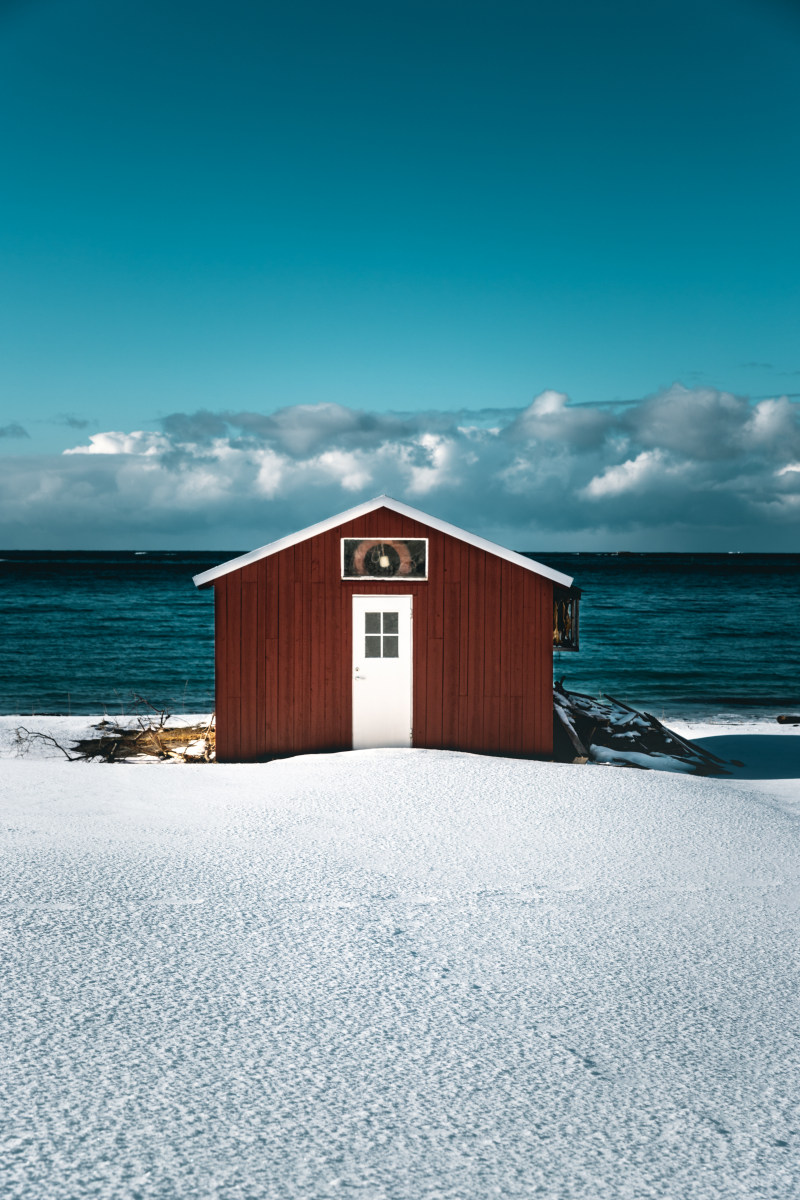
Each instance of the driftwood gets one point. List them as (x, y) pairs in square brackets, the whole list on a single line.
[(150, 737), (25, 739), (608, 731)]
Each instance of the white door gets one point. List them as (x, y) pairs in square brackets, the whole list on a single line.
[(381, 671)]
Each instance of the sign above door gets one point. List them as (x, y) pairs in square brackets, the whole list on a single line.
[(403, 559)]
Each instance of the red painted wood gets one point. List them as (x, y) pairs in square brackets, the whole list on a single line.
[(301, 682), (451, 603), (271, 651), (261, 655), (316, 667), (233, 677), (463, 652), (529, 705), (506, 649), (250, 741), (332, 648), (493, 629), (475, 648), (435, 589), (344, 662), (545, 675), (493, 600), (285, 700), (537, 607), (482, 658), (516, 685), (539, 727), (434, 668), (221, 667)]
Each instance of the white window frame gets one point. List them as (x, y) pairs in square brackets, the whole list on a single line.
[(393, 579)]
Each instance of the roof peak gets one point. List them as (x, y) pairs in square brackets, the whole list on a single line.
[(361, 510)]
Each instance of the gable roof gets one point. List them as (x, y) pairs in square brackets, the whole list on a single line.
[(360, 510)]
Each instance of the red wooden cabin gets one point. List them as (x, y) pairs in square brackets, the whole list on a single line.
[(383, 626)]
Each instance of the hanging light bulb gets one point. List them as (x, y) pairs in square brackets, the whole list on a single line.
[(384, 561)]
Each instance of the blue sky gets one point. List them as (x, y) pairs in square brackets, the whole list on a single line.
[(422, 209)]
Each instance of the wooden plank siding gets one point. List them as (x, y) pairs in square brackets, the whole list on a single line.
[(483, 655)]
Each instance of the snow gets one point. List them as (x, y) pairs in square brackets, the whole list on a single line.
[(649, 762), (397, 974), (769, 752)]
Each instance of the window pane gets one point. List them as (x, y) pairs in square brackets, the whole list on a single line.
[(372, 647), (390, 623), (384, 558), (390, 647), (372, 622)]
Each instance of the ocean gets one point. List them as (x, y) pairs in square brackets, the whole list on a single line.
[(681, 635)]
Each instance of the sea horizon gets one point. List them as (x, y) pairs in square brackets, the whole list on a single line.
[(690, 635)]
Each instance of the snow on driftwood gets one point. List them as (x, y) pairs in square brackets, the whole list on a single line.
[(608, 731), (147, 734)]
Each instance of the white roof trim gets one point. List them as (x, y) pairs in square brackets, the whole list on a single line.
[(360, 510)]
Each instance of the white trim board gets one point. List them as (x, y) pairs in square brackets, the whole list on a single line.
[(361, 510)]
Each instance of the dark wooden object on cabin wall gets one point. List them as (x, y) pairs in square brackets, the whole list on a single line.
[(482, 657)]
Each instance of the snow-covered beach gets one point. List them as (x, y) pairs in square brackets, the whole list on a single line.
[(400, 974)]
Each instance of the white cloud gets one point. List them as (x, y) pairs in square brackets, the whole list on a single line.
[(347, 468), (270, 473), (549, 404), (698, 423), (551, 418), (681, 467), (138, 442), (632, 475), (438, 457), (774, 423)]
